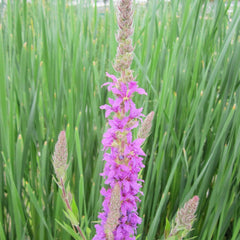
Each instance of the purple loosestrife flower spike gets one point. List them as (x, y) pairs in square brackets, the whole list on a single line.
[(123, 161), (185, 218), (122, 152)]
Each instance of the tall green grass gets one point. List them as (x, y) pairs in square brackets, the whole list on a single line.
[(53, 60)]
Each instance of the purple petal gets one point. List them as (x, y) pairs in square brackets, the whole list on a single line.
[(116, 91), (141, 91), (113, 77), (133, 87), (106, 83)]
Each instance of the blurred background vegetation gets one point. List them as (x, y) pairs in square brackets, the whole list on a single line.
[(53, 59)]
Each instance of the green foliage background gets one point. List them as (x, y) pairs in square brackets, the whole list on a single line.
[(53, 59)]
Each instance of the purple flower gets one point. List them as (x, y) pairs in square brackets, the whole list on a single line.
[(122, 155), (124, 97), (123, 161)]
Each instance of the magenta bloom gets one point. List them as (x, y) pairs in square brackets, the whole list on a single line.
[(119, 218), (123, 159)]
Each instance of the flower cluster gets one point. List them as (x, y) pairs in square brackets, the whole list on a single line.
[(123, 158), (122, 153)]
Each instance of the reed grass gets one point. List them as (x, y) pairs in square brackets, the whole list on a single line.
[(53, 59)]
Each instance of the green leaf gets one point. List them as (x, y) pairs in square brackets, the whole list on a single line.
[(71, 217), (167, 228), (69, 229), (74, 208), (38, 208)]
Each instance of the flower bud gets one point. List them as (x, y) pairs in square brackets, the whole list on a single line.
[(125, 49), (114, 212), (60, 156), (185, 218), (145, 129)]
